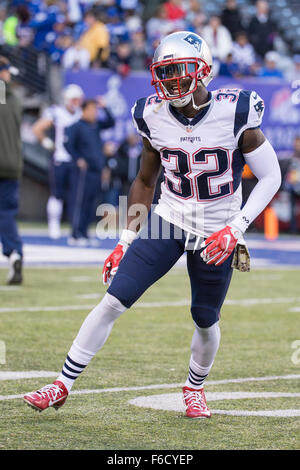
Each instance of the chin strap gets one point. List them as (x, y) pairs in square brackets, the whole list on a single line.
[(201, 105)]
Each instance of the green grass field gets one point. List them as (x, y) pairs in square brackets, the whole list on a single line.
[(150, 345)]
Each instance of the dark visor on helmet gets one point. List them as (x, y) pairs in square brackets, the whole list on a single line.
[(170, 71)]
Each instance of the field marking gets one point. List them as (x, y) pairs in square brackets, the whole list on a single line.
[(82, 279), (176, 303), (167, 386), (8, 288), (30, 374), (173, 402)]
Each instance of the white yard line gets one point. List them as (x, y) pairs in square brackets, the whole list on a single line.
[(173, 402), (29, 374), (176, 303), (168, 386)]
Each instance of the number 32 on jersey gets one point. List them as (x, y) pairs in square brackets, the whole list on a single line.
[(205, 175)]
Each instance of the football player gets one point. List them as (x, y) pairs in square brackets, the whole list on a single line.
[(58, 118), (202, 139)]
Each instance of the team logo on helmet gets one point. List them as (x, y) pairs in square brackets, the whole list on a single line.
[(194, 41)]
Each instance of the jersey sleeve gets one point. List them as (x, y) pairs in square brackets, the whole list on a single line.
[(249, 112), (139, 118), (49, 113)]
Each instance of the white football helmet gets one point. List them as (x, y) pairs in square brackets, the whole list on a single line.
[(180, 56), (72, 96)]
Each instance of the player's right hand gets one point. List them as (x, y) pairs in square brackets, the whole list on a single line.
[(111, 263)]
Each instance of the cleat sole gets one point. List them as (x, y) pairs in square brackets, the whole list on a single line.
[(35, 408)]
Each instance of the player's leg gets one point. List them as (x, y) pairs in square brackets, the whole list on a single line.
[(209, 286), (55, 201), (145, 261), (79, 184), (92, 189), (11, 241)]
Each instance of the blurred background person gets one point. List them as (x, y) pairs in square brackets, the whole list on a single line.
[(11, 164), (231, 18), (120, 58), (175, 10), (218, 38), (57, 118), (95, 39), (76, 57), (128, 160), (292, 184), (84, 144), (294, 72), (261, 29), (270, 67), (229, 67), (243, 54), (159, 24)]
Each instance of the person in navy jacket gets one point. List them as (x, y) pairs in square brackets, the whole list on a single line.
[(84, 144)]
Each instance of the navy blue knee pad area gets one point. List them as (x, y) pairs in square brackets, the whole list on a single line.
[(209, 286), (147, 260)]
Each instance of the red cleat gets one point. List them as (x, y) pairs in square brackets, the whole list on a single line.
[(51, 395), (195, 403)]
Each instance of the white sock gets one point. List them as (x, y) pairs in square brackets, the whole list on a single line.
[(54, 214), (204, 347), (91, 337)]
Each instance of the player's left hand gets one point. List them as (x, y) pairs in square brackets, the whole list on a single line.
[(220, 245)]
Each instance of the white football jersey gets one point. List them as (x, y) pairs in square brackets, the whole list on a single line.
[(202, 162), (61, 119)]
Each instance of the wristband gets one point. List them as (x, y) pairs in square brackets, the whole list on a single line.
[(47, 143), (127, 236)]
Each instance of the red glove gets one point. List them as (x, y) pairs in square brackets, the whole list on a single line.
[(220, 245), (111, 263)]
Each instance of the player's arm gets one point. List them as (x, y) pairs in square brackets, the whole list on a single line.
[(39, 129), (262, 160), (143, 187), (141, 193)]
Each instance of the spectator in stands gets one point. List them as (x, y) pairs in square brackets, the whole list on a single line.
[(294, 72), (2, 19), (218, 38), (292, 184), (159, 25), (175, 10), (10, 30), (42, 23), (138, 55), (117, 28), (119, 60), (229, 68), (195, 17), (11, 163), (75, 57), (231, 18), (95, 39), (270, 68), (261, 29), (133, 21), (23, 32), (243, 53), (84, 144)]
